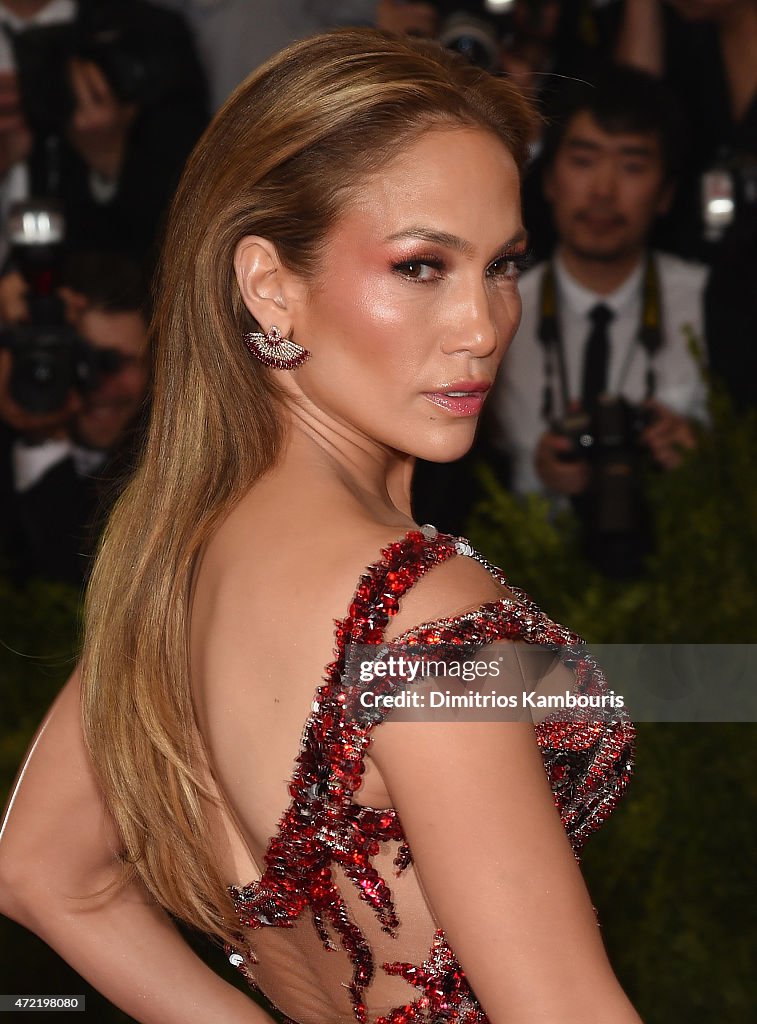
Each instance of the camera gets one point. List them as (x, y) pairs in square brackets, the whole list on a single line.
[(613, 510), (49, 359)]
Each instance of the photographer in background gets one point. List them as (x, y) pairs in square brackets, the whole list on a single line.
[(100, 104), (55, 467), (599, 371)]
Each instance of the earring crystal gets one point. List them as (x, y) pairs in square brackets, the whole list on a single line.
[(276, 351)]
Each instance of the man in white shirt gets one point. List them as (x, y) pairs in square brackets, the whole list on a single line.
[(606, 317)]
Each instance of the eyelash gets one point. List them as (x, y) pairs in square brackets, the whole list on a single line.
[(515, 263)]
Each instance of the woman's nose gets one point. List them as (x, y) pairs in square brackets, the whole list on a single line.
[(475, 328)]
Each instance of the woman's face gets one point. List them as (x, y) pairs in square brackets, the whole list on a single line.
[(416, 299)]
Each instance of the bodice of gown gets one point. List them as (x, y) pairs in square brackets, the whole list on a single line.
[(337, 928)]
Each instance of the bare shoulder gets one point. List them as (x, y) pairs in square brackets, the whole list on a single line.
[(311, 555), (296, 554)]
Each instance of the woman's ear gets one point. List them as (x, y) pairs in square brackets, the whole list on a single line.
[(269, 290)]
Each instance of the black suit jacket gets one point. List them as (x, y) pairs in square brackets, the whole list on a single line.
[(47, 531)]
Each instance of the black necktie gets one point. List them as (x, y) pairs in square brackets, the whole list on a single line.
[(596, 356)]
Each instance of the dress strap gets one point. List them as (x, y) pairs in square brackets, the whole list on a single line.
[(334, 740), (385, 583)]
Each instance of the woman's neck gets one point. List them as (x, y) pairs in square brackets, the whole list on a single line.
[(377, 478)]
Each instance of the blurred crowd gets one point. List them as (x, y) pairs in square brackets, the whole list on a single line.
[(640, 201)]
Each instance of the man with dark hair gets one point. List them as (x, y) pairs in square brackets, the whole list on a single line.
[(620, 99), (605, 321), (53, 468), (101, 102)]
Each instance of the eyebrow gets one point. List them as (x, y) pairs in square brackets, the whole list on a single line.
[(448, 240), (589, 146)]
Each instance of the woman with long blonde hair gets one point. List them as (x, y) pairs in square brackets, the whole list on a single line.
[(338, 285)]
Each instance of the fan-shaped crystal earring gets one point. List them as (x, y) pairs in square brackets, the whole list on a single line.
[(276, 351)]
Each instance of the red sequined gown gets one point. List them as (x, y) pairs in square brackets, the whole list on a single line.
[(339, 909)]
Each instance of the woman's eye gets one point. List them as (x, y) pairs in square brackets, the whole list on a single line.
[(419, 270), (509, 267)]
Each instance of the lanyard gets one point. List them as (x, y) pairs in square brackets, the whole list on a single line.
[(648, 336)]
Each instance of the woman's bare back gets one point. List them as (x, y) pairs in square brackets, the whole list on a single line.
[(263, 632)]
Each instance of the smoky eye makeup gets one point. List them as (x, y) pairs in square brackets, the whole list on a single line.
[(425, 267), (420, 267), (511, 263)]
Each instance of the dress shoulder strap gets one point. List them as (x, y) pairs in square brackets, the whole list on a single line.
[(386, 581)]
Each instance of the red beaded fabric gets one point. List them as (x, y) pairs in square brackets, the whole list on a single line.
[(325, 862)]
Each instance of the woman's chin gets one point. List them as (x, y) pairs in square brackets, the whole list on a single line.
[(446, 449)]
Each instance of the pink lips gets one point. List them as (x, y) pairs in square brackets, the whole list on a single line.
[(461, 398)]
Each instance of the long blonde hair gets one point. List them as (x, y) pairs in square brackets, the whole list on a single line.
[(280, 160)]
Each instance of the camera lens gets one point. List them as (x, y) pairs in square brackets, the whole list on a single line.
[(473, 38), (42, 373)]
